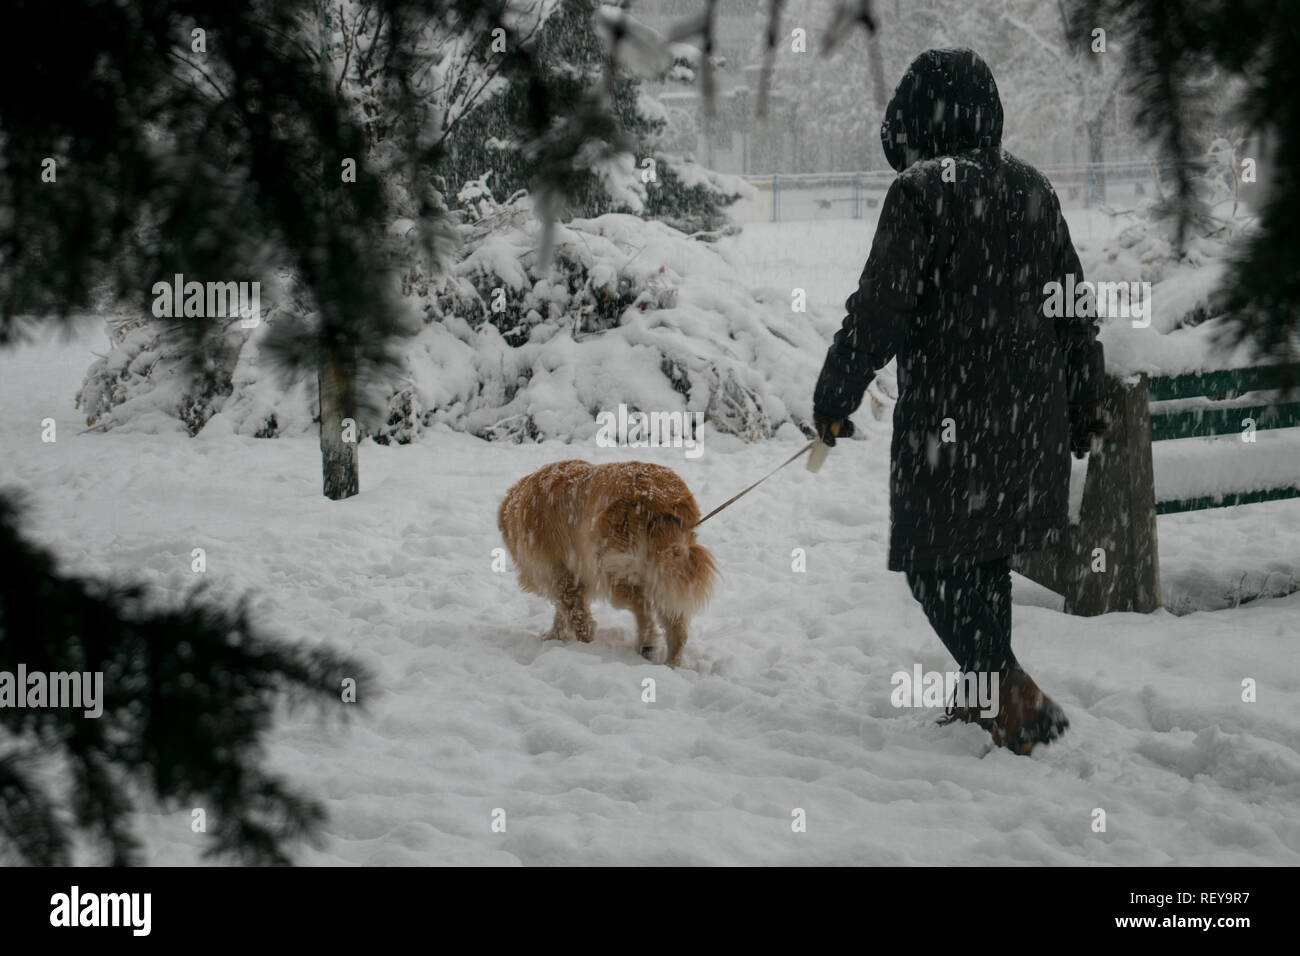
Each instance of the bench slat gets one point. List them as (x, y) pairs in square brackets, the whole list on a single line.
[(1232, 381), (1226, 500), (1206, 422)]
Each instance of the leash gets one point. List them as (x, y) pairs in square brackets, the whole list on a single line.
[(814, 463), (732, 500)]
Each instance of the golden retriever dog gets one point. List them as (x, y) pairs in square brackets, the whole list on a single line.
[(622, 533)]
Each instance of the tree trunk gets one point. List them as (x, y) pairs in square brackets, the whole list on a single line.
[(1118, 514), (338, 422), (1096, 191), (1110, 560)]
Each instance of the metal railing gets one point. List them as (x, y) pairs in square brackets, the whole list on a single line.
[(848, 195)]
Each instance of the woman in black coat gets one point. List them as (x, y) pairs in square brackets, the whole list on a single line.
[(992, 395)]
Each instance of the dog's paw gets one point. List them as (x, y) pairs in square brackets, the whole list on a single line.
[(654, 653)]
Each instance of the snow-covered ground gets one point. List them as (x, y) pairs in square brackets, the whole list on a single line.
[(785, 699)]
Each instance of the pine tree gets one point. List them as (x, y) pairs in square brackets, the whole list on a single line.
[(139, 141), (188, 694), (1180, 50), (576, 81)]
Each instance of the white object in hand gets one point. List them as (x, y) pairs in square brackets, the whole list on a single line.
[(818, 455)]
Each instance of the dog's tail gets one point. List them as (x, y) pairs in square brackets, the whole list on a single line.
[(682, 572)]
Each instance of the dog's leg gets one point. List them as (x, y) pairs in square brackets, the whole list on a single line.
[(559, 627), (577, 614), (551, 584), (675, 630), (631, 597)]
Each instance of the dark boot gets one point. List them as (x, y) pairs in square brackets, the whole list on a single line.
[(959, 715), (1026, 716), (955, 714)]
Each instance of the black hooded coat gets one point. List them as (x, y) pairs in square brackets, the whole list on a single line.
[(954, 289)]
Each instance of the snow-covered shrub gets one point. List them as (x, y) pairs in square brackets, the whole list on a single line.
[(627, 311), (475, 202), (146, 380), (690, 197), (1187, 310), (152, 380)]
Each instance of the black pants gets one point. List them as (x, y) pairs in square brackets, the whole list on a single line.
[(969, 607)]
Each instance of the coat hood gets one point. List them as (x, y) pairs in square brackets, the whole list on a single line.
[(946, 103)]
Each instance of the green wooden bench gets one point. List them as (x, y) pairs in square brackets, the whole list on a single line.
[(1218, 417), (1110, 561)]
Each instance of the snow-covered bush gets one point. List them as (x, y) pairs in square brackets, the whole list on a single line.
[(627, 311), (144, 379), (152, 380), (1187, 308)]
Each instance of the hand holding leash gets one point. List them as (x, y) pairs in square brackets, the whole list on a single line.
[(829, 428), (827, 431)]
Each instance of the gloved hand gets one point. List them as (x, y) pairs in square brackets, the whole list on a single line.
[(823, 426), (1086, 423)]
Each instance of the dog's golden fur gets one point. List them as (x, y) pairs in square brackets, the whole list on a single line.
[(622, 533)]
